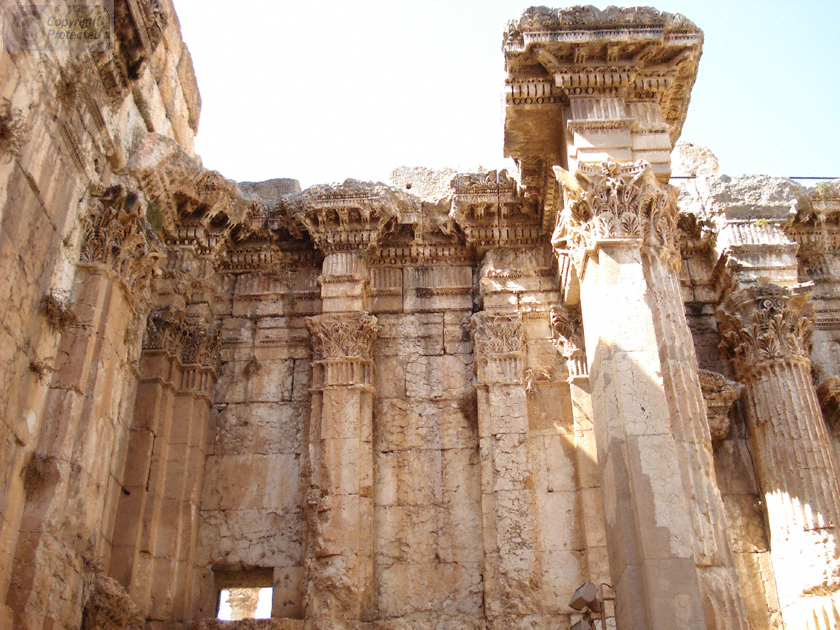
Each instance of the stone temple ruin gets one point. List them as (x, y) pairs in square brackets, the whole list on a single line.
[(442, 406)]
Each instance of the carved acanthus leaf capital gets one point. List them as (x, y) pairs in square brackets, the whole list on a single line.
[(764, 324), (616, 200), (342, 337), (499, 347), (719, 394), (115, 234), (192, 343)]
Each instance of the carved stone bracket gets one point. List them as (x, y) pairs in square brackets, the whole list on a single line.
[(567, 328), (343, 347), (499, 347), (719, 394), (115, 234), (616, 201), (760, 325)]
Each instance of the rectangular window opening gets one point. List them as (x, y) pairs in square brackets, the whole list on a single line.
[(244, 603)]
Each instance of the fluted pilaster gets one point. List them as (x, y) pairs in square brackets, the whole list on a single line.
[(340, 497), (512, 569)]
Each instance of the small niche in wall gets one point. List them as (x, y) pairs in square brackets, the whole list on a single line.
[(244, 594)]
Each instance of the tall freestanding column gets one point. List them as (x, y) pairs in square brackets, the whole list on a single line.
[(767, 331), (670, 561)]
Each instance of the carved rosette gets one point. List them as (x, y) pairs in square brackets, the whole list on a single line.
[(115, 234), (763, 325), (343, 347), (191, 343), (613, 201), (499, 347), (567, 329), (719, 394)]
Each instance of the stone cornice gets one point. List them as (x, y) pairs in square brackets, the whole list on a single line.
[(616, 202), (760, 325)]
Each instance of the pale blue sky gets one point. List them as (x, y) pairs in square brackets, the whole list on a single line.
[(321, 91)]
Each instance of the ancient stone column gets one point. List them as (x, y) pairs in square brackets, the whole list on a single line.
[(669, 560), (340, 499), (767, 332), (512, 573)]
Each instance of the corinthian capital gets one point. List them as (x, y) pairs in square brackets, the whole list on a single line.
[(499, 347), (343, 337), (760, 325), (114, 234), (615, 200), (191, 342)]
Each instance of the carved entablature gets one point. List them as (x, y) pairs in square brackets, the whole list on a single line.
[(613, 200), (567, 331), (191, 207), (115, 235), (352, 216), (638, 54), (491, 213), (190, 342), (499, 346), (720, 394), (761, 325), (343, 348)]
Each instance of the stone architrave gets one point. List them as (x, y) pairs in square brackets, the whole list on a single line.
[(512, 574), (767, 331), (668, 560), (340, 497)]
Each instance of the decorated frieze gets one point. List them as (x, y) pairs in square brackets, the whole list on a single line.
[(614, 200), (760, 325)]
